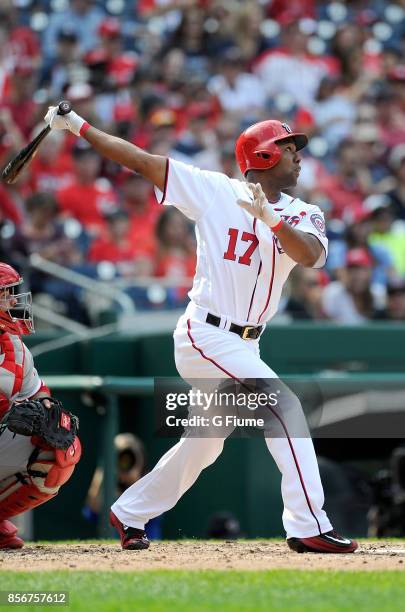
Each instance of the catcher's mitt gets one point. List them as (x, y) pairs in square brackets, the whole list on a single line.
[(56, 426)]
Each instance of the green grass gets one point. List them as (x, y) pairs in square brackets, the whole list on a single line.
[(181, 591)]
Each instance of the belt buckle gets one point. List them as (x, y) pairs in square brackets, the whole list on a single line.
[(246, 331)]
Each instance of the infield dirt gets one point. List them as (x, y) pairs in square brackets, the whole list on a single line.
[(198, 555)]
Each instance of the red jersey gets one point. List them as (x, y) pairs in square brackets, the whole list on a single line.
[(51, 177), (88, 203), (104, 249), (142, 228)]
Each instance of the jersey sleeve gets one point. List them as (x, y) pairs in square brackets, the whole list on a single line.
[(314, 223), (31, 380), (189, 189)]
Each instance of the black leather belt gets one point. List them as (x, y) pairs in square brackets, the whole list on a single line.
[(247, 332)]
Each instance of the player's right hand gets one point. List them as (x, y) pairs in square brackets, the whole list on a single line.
[(72, 121), (259, 207)]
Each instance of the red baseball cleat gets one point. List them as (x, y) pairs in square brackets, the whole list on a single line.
[(131, 538), (330, 542), (8, 536)]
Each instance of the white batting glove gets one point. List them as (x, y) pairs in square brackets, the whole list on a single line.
[(72, 121), (260, 208)]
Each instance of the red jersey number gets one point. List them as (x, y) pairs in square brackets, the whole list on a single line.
[(246, 258)]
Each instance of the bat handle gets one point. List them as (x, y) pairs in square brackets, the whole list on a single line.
[(64, 107)]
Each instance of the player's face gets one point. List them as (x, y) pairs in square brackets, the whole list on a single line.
[(287, 171), (284, 174), (7, 300)]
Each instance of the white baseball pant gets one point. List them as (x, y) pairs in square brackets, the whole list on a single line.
[(207, 352)]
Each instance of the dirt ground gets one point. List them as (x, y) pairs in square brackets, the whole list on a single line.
[(197, 555)]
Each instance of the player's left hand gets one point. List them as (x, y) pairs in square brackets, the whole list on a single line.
[(259, 207)]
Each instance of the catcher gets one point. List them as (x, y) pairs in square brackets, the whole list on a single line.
[(39, 447)]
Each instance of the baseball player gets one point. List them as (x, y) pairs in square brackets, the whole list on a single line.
[(31, 471), (250, 235)]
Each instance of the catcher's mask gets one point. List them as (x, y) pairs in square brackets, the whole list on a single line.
[(15, 308), (257, 149)]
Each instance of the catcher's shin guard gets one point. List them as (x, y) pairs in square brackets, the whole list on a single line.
[(47, 470)]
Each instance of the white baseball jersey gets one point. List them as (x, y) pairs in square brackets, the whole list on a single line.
[(241, 267)]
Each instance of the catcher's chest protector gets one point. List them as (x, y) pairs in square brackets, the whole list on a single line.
[(12, 355)]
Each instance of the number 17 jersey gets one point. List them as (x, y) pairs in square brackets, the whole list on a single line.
[(241, 266)]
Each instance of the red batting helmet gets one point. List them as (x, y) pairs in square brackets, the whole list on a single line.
[(15, 308), (256, 148)]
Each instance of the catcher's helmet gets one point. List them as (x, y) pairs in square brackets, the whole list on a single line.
[(15, 308), (256, 148)]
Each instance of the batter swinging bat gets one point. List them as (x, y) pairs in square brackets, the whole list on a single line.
[(14, 168)]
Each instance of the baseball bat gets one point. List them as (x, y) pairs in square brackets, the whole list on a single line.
[(14, 168)]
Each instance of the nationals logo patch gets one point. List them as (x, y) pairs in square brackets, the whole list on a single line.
[(319, 222)]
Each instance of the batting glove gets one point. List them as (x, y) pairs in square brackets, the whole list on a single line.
[(72, 121), (260, 208)]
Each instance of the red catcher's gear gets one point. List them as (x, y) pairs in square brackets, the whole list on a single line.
[(48, 469), (256, 148), (15, 318)]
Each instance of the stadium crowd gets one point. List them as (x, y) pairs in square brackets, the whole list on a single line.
[(184, 78)]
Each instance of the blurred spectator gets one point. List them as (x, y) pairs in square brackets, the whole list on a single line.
[(23, 43), (119, 67), (8, 208), (305, 298), (388, 232), (291, 68), (83, 16), (334, 112), (67, 65), (346, 188), (198, 144), (11, 138), (390, 117), (357, 235), (246, 25), (115, 245), (139, 201), (233, 86), (176, 247), (52, 167), (350, 300), (371, 151), (131, 465), (88, 198), (397, 194), (395, 308), (192, 39), (19, 96), (41, 233)]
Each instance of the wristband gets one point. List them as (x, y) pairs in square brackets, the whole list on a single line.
[(84, 128), (276, 227)]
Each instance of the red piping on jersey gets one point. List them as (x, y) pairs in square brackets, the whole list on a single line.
[(19, 372), (166, 181), (271, 281), (42, 389), (278, 417), (257, 277), (9, 364)]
